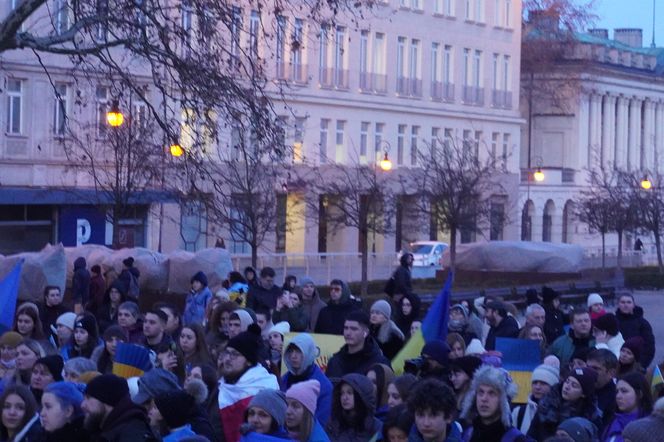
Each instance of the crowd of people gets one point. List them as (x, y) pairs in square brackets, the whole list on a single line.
[(222, 371)]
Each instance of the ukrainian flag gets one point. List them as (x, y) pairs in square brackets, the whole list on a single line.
[(434, 326), (131, 360), (657, 378), (520, 357), (8, 293)]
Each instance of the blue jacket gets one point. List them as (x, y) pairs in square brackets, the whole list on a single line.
[(318, 434), (453, 433), (324, 403), (179, 434), (194, 311)]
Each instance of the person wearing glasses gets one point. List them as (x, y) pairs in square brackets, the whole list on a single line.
[(331, 317)]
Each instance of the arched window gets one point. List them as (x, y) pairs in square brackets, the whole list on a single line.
[(547, 221), (568, 221), (527, 221)]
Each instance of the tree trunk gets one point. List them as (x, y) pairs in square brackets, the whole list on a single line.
[(603, 250), (116, 228), (620, 240), (453, 232), (658, 246), (364, 256), (254, 255)]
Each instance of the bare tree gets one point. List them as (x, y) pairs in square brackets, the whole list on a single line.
[(456, 188), (357, 196), (650, 209)]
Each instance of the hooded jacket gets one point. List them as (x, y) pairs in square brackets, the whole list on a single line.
[(194, 310), (260, 297), (405, 321), (80, 282), (636, 325), (309, 371), (508, 328), (313, 307), (554, 323), (402, 276), (343, 362), (389, 337), (332, 317), (127, 422), (337, 430)]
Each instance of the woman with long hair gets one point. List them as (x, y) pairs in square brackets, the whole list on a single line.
[(216, 335), (85, 338), (535, 333), (633, 401), (107, 312), (353, 408), (104, 355), (20, 421), (27, 322), (399, 389), (301, 422), (381, 376), (28, 352), (45, 371), (407, 311), (266, 414), (191, 345), (457, 345)]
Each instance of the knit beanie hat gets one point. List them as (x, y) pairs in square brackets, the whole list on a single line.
[(282, 328), (607, 323), (67, 319), (273, 402), (245, 318), (635, 345), (546, 373), (461, 308), (248, 343), (108, 389), (88, 323), (579, 429), (54, 364), (128, 261), (200, 277), (306, 393), (29, 305), (360, 316), (174, 406), (467, 364), (383, 307), (153, 383), (552, 361), (10, 339), (68, 394), (593, 299), (587, 377), (114, 331), (307, 280), (436, 350)]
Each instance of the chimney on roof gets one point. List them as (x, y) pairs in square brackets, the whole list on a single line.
[(601, 33), (630, 36), (544, 20)]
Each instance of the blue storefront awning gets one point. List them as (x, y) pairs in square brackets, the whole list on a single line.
[(73, 196)]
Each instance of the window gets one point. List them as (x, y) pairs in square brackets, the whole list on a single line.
[(447, 65), (401, 65), (404, 3), (414, 68), (438, 6), (364, 60), (193, 225), (379, 54), (477, 65), (497, 9), (14, 106), (298, 140), (254, 25), (417, 4), (506, 72), (101, 95), (296, 51), (506, 146), (339, 140), (435, 62), (497, 221), (236, 29), (61, 16), (378, 140), (469, 9), (476, 143), (364, 138), (449, 138), (186, 18), (281, 46), (508, 13), (339, 62), (414, 133), (102, 11), (236, 143), (324, 125), (466, 67), (60, 109), (281, 223), (494, 145), (467, 140), (448, 7), (479, 11), (494, 77), (401, 134), (435, 133)]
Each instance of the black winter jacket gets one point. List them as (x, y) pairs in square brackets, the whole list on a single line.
[(342, 362), (258, 297), (127, 422), (636, 325), (508, 328)]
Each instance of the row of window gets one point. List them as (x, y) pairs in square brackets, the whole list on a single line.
[(17, 112), (473, 10)]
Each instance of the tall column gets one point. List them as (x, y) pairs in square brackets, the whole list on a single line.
[(648, 142), (658, 155), (608, 131), (621, 133), (634, 142), (595, 127)]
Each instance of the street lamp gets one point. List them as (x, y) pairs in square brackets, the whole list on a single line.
[(385, 163), (176, 149), (646, 184), (114, 117), (538, 175)]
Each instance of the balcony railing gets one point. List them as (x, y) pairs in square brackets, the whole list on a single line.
[(299, 73), (334, 78), (365, 81), (409, 87), (281, 71), (379, 83), (501, 99), (442, 91), (473, 95)]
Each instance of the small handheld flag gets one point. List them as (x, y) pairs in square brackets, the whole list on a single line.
[(131, 360)]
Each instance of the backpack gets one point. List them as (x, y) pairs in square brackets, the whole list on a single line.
[(134, 289)]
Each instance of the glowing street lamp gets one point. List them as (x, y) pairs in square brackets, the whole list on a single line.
[(646, 184), (385, 163), (538, 175), (176, 149), (114, 117)]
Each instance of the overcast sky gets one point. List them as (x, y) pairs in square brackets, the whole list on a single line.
[(632, 14)]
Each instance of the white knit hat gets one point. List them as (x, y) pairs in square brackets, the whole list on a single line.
[(475, 348), (547, 374), (593, 299), (282, 328), (67, 319)]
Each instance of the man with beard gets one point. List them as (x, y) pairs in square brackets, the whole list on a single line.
[(110, 414), (502, 325)]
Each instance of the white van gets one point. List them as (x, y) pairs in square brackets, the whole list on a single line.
[(426, 253)]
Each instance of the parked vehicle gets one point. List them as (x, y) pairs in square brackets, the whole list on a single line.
[(426, 253)]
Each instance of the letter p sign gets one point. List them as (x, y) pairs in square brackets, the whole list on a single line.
[(83, 231)]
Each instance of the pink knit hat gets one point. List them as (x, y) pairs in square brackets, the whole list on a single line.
[(306, 393)]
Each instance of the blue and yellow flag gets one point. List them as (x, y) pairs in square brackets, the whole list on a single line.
[(434, 326), (657, 378), (520, 357), (8, 294)]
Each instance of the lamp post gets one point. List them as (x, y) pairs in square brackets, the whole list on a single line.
[(114, 117), (646, 184)]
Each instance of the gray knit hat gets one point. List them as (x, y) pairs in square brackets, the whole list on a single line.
[(498, 379), (383, 307), (579, 429), (272, 401)]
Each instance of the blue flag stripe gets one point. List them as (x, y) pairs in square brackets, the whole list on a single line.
[(8, 295), (434, 325)]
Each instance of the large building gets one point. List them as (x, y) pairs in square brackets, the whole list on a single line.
[(406, 73), (615, 119)]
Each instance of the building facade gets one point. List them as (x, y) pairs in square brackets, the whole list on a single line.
[(403, 75)]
